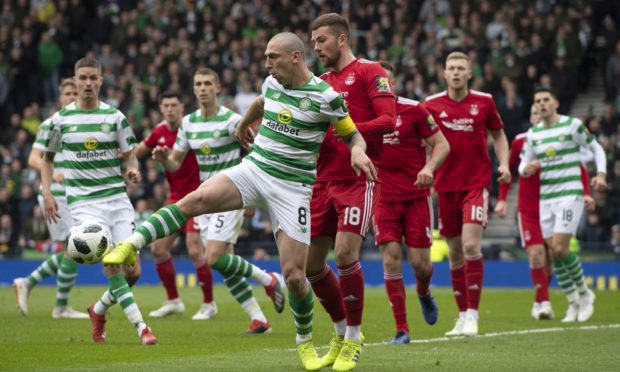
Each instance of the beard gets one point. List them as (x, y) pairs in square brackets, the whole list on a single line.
[(330, 62)]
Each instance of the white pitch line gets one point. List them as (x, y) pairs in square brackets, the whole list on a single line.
[(493, 334)]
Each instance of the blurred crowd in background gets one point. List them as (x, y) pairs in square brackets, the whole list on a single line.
[(147, 47)]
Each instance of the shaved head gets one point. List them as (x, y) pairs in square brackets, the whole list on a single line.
[(289, 41)]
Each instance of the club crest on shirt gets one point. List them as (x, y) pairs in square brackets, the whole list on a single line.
[(350, 79), (285, 116), (305, 104), (383, 84), (473, 110), (399, 121)]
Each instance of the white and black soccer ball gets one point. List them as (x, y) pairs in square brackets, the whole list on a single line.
[(88, 242)]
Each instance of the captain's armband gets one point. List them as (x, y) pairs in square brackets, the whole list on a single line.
[(345, 126)]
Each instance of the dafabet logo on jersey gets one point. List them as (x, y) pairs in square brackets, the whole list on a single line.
[(285, 116), (91, 143), (204, 148)]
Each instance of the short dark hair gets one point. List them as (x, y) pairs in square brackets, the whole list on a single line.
[(387, 66), (338, 23), (546, 90), (88, 62), (168, 94), (208, 71)]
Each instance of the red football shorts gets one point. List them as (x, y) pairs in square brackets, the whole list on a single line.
[(411, 219), (343, 206), (529, 229), (461, 207), (191, 226)]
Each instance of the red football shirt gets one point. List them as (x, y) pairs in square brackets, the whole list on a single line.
[(187, 178), (529, 187), (404, 152), (464, 124), (358, 83)]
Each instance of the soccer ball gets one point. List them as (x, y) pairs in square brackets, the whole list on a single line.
[(88, 242)]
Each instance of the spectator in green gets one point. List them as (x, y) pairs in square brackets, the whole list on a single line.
[(49, 58)]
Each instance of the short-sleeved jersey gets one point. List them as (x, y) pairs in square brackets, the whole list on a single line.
[(529, 187), (40, 142), (294, 123), (211, 139), (404, 152), (358, 83), (90, 142), (186, 178), (465, 125), (556, 147)]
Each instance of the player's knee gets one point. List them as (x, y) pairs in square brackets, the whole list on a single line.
[(159, 252), (392, 262), (211, 257), (422, 268), (345, 256), (295, 279), (471, 248)]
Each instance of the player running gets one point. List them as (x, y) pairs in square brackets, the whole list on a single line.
[(209, 134), (343, 202), (59, 263), (91, 134), (183, 181), (529, 224), (464, 117), (405, 206), (296, 109), (552, 146)]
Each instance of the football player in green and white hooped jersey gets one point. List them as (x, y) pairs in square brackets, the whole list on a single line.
[(59, 263), (296, 108), (553, 147), (210, 133), (91, 135)]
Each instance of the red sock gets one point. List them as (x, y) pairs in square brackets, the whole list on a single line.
[(327, 290), (167, 275), (541, 283), (423, 284), (395, 289), (205, 280), (458, 287), (474, 272), (352, 288)]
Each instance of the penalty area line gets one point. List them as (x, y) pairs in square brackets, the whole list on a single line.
[(493, 334)]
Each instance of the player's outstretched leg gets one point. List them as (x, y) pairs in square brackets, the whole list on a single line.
[(65, 280), (23, 286)]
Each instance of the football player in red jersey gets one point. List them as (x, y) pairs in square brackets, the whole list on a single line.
[(406, 208), (181, 182), (464, 117), (529, 223), (343, 202)]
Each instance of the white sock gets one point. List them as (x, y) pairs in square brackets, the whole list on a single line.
[(132, 312), (354, 333), (340, 327), (137, 240), (140, 327), (104, 303), (252, 308), (300, 339), (473, 313), (260, 275)]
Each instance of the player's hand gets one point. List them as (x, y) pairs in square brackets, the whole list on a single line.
[(50, 208), (59, 177), (245, 136), (590, 204), (249, 212), (501, 209), (424, 178), (531, 168), (599, 183), (160, 153), (360, 162), (134, 175), (504, 174)]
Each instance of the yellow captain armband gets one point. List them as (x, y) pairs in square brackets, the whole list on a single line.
[(345, 126)]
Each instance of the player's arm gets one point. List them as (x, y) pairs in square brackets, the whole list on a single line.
[(171, 161), (385, 122), (500, 145), (501, 208), (132, 166), (35, 159), (440, 150), (244, 133), (142, 150), (590, 204), (599, 182), (357, 146), (528, 165)]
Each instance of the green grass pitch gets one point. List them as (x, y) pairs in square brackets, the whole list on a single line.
[(510, 340)]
